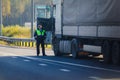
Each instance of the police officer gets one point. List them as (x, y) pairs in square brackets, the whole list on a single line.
[(40, 35)]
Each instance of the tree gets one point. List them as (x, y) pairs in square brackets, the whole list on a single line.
[(18, 6), (6, 7), (19, 11)]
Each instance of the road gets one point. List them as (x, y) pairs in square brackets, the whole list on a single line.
[(23, 64)]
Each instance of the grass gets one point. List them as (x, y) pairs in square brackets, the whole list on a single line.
[(3, 43)]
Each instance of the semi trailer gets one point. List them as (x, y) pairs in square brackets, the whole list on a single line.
[(87, 25)]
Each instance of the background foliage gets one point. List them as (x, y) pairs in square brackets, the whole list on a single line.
[(16, 31), (17, 12)]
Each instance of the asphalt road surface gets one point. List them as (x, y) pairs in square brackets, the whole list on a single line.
[(23, 64)]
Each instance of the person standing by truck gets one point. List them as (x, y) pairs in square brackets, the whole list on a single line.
[(40, 36)]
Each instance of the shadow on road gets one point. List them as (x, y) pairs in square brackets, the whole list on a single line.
[(81, 72)]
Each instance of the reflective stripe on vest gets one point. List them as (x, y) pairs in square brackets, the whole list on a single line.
[(40, 33)]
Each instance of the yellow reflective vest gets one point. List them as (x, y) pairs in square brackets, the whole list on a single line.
[(40, 33)]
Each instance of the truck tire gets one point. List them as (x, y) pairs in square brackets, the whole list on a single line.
[(56, 47), (61, 46), (74, 48), (65, 47), (106, 50), (116, 53)]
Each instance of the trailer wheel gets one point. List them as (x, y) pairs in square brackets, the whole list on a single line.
[(65, 47), (61, 46), (74, 48), (56, 47), (106, 50), (116, 53)]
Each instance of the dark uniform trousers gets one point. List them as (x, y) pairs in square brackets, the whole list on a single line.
[(38, 43)]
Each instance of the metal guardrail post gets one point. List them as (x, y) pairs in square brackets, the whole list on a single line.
[(32, 44), (25, 44), (22, 43)]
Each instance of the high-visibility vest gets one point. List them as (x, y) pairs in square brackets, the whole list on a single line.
[(40, 33)]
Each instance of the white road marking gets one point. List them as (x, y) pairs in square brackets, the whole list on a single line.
[(65, 70), (97, 78), (14, 57), (68, 63), (73, 64), (42, 64), (26, 60), (101, 60)]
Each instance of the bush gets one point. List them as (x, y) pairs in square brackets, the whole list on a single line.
[(16, 31)]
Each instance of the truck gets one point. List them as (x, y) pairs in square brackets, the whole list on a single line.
[(87, 26)]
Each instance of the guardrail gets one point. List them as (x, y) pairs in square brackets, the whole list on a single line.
[(30, 42), (18, 41)]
